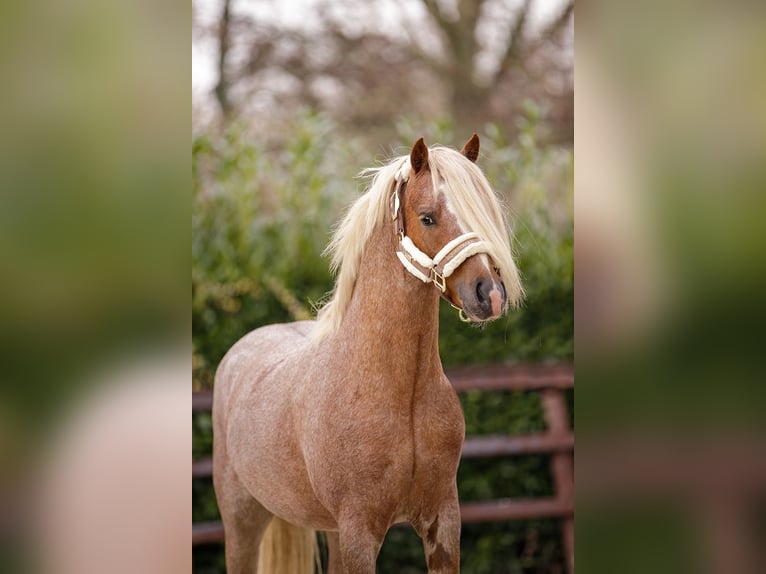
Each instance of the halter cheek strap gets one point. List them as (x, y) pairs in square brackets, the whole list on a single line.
[(434, 270)]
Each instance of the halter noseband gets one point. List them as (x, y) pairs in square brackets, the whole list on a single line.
[(434, 270)]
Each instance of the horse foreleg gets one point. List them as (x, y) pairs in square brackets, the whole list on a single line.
[(244, 522), (244, 519), (441, 538), (334, 563), (359, 546)]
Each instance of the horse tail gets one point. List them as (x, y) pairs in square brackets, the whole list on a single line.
[(286, 548)]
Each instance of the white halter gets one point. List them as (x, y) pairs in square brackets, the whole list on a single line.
[(434, 270)]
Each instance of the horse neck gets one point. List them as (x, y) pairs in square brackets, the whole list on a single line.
[(392, 323)]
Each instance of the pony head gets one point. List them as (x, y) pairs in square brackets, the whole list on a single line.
[(453, 233), (447, 217)]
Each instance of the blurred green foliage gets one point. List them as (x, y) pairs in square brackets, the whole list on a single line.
[(263, 211)]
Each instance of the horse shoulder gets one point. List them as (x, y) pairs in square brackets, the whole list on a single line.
[(440, 426), (248, 374)]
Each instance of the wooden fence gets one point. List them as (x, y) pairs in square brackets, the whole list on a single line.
[(557, 441)]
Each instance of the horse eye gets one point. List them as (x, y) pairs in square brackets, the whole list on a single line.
[(427, 220)]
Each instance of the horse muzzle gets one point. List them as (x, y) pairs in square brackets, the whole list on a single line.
[(483, 299)]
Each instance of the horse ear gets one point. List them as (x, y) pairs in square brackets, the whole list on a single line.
[(471, 148), (419, 156)]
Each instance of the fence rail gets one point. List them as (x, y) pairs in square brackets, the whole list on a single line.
[(557, 440)]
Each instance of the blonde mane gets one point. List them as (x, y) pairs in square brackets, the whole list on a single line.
[(468, 192)]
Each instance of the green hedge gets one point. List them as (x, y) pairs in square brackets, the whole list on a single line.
[(263, 211)]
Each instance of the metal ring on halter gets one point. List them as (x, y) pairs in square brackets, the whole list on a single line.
[(460, 313)]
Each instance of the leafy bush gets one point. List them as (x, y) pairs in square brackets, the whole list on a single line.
[(263, 211)]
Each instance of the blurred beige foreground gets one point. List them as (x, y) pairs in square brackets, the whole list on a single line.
[(114, 483), (670, 133), (94, 264)]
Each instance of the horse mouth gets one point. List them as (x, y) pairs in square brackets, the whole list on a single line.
[(478, 316), (483, 302)]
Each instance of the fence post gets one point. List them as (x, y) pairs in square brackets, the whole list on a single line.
[(555, 409)]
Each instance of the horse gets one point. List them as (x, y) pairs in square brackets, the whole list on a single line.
[(347, 424)]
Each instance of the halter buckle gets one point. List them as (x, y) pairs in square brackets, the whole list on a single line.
[(439, 280)]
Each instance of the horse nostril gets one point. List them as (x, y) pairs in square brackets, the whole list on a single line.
[(482, 291)]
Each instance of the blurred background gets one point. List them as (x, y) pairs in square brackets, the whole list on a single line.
[(290, 101)]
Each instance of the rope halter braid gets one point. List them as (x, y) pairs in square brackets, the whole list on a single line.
[(434, 270)]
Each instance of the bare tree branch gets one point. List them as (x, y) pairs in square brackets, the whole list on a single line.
[(560, 21), (516, 39), (414, 35), (469, 11), (552, 30), (449, 29), (436, 13), (224, 43)]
